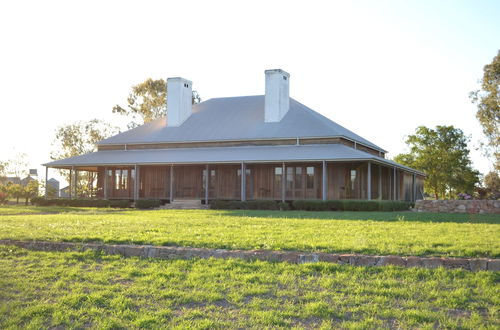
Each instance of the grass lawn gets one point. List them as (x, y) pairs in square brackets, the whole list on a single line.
[(403, 233), (76, 290), (30, 209)]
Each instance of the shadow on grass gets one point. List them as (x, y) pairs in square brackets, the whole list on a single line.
[(407, 216)]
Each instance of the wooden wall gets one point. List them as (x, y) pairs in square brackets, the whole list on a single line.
[(188, 181), (345, 184), (263, 181), (154, 182)]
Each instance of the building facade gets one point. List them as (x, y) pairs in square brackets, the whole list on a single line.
[(242, 148)]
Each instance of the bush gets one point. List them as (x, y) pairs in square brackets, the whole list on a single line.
[(351, 205), (3, 197), (119, 203), (246, 205), (283, 206), (42, 201), (147, 203)]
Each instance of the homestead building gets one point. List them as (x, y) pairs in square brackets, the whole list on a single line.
[(242, 148)]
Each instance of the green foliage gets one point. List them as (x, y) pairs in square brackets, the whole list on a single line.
[(77, 139), (15, 191), (351, 205), (16, 166), (147, 102), (3, 194), (31, 190), (442, 154), (42, 201), (147, 203), (492, 185), (80, 138), (379, 233), (3, 168), (488, 108), (282, 206), (92, 290), (313, 205), (245, 205)]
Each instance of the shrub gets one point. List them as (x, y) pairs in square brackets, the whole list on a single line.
[(3, 197), (219, 205), (283, 206), (246, 205), (350, 205), (42, 201), (119, 203), (147, 203)]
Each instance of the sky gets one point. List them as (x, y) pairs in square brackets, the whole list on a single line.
[(379, 68)]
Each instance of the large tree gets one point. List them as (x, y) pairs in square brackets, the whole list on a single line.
[(17, 166), (147, 102), (487, 100), (443, 155), (80, 138), (3, 168)]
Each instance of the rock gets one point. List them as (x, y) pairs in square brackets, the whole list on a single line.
[(329, 257), (432, 262), (494, 265), (392, 260), (456, 263), (346, 259), (478, 264), (413, 262), (367, 260), (312, 257)]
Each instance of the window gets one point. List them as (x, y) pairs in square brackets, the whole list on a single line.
[(121, 179), (353, 179), (298, 178), (278, 172), (289, 178), (310, 177)]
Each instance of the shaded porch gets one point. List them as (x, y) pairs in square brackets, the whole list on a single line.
[(283, 181)]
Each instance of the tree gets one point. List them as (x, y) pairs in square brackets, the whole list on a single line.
[(17, 166), (147, 102), (487, 100), (3, 169), (492, 184), (31, 190), (4, 194), (443, 155), (80, 138), (15, 191)]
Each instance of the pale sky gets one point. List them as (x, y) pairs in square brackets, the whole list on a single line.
[(379, 68)]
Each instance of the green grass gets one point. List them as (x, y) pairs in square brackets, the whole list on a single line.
[(30, 209), (404, 233), (76, 290)]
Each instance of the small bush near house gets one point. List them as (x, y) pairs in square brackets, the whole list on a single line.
[(3, 197), (119, 203), (246, 205), (147, 203), (42, 201), (351, 205), (283, 206), (313, 205)]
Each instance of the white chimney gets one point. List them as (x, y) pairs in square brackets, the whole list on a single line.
[(179, 100), (277, 100)]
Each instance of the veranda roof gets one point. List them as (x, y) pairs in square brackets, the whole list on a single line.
[(247, 154)]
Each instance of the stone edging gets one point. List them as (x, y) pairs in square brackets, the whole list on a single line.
[(173, 252)]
